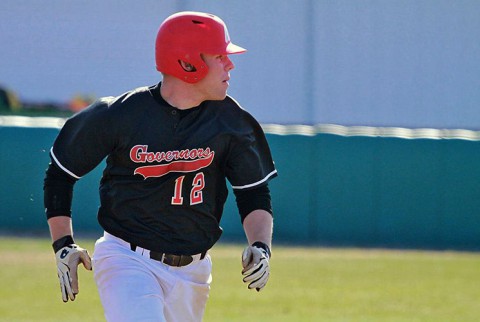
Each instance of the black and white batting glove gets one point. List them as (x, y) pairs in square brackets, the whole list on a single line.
[(68, 256), (256, 267)]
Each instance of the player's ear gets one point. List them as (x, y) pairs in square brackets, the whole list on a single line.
[(187, 66)]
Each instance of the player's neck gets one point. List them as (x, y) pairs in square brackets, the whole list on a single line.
[(179, 94)]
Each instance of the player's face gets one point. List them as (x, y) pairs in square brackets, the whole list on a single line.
[(215, 84)]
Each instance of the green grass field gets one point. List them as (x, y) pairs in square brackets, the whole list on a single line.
[(306, 284)]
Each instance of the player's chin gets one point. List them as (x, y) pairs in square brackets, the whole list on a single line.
[(219, 96)]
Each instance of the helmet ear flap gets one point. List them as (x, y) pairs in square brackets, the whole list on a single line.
[(187, 66), (192, 70)]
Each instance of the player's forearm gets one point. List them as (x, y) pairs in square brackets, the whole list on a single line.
[(258, 226), (60, 226)]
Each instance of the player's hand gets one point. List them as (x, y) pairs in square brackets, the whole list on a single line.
[(68, 258), (256, 267)]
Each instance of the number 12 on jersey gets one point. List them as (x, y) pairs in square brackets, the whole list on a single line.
[(196, 194)]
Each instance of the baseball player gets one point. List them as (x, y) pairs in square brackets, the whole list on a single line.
[(169, 150)]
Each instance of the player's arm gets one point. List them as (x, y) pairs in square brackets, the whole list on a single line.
[(58, 188), (258, 226), (256, 212), (83, 142), (60, 226)]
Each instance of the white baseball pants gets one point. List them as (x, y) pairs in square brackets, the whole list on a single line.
[(133, 287)]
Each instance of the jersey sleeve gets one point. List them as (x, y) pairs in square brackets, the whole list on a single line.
[(85, 140), (250, 163)]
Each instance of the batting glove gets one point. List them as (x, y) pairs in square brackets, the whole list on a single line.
[(68, 256), (256, 268)]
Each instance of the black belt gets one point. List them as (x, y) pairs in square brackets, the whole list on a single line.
[(169, 259)]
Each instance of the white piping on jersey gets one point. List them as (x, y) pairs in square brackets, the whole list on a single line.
[(256, 183), (61, 166)]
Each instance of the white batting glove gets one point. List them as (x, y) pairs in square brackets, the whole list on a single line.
[(256, 267), (68, 258)]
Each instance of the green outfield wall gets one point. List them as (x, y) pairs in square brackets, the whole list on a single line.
[(337, 186)]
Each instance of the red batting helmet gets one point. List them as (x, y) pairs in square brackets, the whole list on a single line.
[(184, 36)]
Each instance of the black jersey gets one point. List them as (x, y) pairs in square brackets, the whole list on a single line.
[(164, 184)]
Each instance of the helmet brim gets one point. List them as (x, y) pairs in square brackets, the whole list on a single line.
[(234, 49)]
